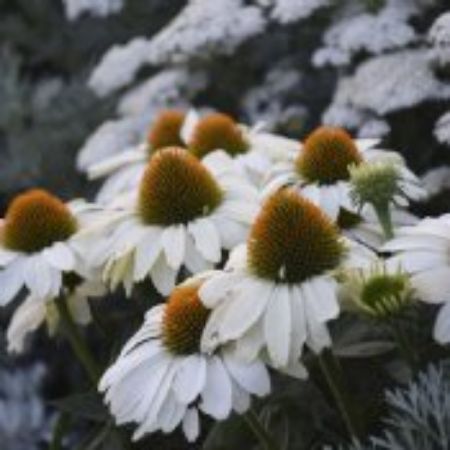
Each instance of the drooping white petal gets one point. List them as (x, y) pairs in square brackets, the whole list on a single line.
[(248, 347), (146, 253), (215, 289), (241, 398), (245, 308), (80, 309), (206, 239), (27, 318), (190, 379), (11, 280), (433, 285), (277, 326), (189, 124), (320, 293), (174, 244), (163, 276), (441, 330), (253, 377), (60, 256), (216, 395), (191, 425), (38, 276), (157, 403)]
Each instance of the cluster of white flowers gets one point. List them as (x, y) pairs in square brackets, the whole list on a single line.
[(256, 242), (75, 8)]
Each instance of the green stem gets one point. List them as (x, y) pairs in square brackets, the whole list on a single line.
[(332, 372), (258, 429), (84, 355), (59, 431), (384, 216), (403, 345), (77, 341)]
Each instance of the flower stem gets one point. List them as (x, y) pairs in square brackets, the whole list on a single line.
[(59, 431), (384, 216), (77, 341), (332, 372), (258, 429), (85, 356)]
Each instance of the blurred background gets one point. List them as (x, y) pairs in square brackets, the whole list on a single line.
[(83, 78)]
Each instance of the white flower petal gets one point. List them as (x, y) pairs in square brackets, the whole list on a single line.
[(216, 395), (174, 244), (191, 425), (206, 239), (190, 379), (433, 285), (11, 280), (60, 256), (163, 276), (441, 330), (27, 318), (253, 377), (277, 326), (147, 252), (249, 301)]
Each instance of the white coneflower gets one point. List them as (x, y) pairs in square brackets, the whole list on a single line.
[(162, 379), (125, 170), (186, 212), (423, 251), (36, 244), (278, 292), (253, 150), (321, 169), (35, 311)]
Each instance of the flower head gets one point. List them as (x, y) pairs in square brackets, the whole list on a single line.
[(184, 320), (36, 220), (375, 184), (217, 131), (161, 369), (165, 130), (177, 188), (292, 240), (278, 291), (326, 156), (377, 292)]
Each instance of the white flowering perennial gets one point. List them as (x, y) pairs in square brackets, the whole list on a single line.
[(277, 292), (36, 244), (423, 251), (321, 170), (184, 214), (175, 379), (102, 8)]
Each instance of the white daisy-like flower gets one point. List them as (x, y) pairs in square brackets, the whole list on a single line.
[(35, 311), (162, 379), (278, 291), (185, 213), (253, 150), (423, 251), (321, 169), (36, 244), (125, 170)]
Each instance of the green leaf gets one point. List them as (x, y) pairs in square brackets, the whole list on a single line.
[(230, 434), (84, 405)]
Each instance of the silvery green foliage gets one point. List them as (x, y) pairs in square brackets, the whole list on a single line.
[(75, 8), (419, 415), (24, 423)]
